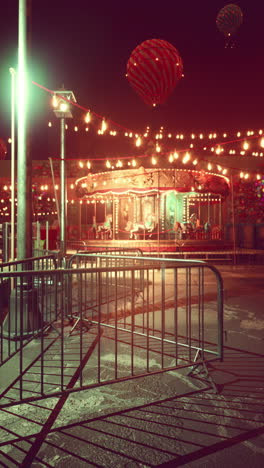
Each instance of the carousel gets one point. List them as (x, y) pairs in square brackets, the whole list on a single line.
[(154, 208)]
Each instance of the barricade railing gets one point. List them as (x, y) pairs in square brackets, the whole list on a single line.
[(41, 262), (19, 297), (131, 319)]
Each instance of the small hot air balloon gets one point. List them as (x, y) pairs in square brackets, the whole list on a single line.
[(153, 70), (3, 149), (228, 20)]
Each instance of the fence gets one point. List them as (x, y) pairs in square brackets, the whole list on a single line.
[(108, 318), (18, 301)]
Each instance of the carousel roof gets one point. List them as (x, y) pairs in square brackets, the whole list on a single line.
[(151, 180)]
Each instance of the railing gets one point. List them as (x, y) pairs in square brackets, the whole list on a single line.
[(19, 296), (126, 317), (109, 250)]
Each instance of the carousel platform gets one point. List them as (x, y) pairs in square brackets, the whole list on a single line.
[(211, 250), (173, 246)]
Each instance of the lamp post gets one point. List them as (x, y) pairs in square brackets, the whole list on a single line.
[(61, 104), (13, 87)]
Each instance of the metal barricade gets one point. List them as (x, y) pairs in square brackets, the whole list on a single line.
[(122, 321), (19, 296)]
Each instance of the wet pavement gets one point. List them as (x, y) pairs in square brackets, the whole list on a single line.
[(168, 419)]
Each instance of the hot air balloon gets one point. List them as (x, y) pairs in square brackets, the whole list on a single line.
[(3, 149), (228, 20), (153, 70)]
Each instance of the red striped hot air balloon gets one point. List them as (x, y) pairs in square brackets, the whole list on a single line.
[(153, 70), (3, 149), (229, 19)]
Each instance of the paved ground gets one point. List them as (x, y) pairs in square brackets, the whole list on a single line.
[(165, 420)]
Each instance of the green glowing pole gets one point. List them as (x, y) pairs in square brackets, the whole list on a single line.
[(13, 143), (24, 196)]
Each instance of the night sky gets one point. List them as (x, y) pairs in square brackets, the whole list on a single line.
[(85, 46)]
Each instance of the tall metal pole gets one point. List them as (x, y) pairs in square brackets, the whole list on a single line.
[(13, 143), (233, 219), (24, 228), (63, 191)]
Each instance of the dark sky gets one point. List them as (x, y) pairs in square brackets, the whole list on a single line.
[(85, 45)]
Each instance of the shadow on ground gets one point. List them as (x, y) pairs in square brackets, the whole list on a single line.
[(173, 431)]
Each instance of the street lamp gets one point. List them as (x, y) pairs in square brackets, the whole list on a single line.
[(61, 101), (13, 89)]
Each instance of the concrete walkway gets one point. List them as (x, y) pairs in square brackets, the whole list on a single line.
[(163, 420)]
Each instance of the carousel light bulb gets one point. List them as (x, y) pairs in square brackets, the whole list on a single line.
[(219, 168), (72, 186), (224, 171), (245, 145), (209, 166), (262, 142), (186, 158), (87, 118), (88, 165), (138, 141), (247, 175), (192, 136), (175, 155), (201, 136), (260, 132), (171, 158), (76, 128), (49, 124), (104, 126), (134, 163), (108, 164), (154, 160), (218, 150), (238, 134), (195, 162), (169, 135), (258, 176), (158, 148), (80, 164), (241, 175)]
